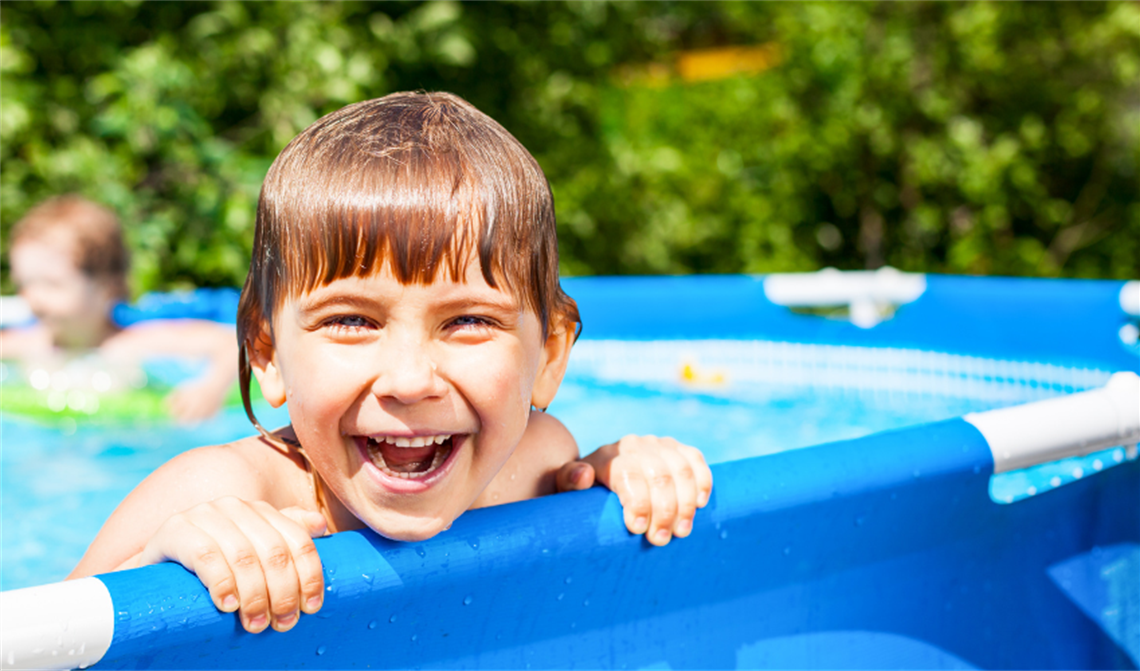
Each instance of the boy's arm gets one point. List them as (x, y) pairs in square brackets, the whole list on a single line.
[(661, 483), (200, 397), (206, 510)]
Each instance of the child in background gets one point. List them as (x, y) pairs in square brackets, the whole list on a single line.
[(70, 265), (403, 298)]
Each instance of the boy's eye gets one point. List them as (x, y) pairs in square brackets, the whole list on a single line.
[(349, 322), (469, 320)]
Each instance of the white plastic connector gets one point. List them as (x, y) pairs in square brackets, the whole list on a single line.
[(65, 625), (1130, 298), (1066, 426), (867, 293)]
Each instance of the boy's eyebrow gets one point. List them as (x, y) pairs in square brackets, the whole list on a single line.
[(466, 302), (314, 303)]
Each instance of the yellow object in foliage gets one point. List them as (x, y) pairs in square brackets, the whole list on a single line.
[(709, 64)]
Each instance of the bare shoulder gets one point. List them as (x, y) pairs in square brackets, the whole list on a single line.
[(249, 469), (547, 440), (546, 446)]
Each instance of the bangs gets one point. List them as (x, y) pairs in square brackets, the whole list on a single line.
[(416, 190)]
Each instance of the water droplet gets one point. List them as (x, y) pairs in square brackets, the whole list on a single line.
[(194, 597), (421, 552), (569, 579), (1118, 455), (321, 650), (1056, 481), (917, 474), (372, 624), (560, 597), (586, 602), (1097, 465), (367, 578), (474, 545), (1078, 473), (1031, 491), (573, 625), (787, 551), (392, 619), (467, 600), (724, 534), (414, 637), (124, 615)]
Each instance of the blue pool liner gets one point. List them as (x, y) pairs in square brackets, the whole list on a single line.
[(888, 546), (1064, 322)]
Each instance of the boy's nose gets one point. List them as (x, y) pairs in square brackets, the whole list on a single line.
[(407, 375)]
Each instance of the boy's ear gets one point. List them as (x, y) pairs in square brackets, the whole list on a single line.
[(555, 357), (263, 363)]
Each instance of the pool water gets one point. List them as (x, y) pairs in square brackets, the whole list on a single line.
[(58, 484)]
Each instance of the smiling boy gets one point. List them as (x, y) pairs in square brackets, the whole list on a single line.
[(403, 299)]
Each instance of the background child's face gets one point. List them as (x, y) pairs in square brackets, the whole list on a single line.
[(71, 304), (373, 369)]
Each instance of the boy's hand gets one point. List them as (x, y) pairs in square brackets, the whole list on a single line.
[(659, 481), (252, 557)]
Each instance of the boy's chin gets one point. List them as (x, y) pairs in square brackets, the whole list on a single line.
[(410, 528)]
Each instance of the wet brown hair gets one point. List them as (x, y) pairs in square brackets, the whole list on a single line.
[(420, 181), (91, 230)]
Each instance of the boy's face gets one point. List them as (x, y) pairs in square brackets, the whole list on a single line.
[(408, 399), (73, 306)]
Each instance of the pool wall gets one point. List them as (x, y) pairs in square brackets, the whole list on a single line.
[(881, 552)]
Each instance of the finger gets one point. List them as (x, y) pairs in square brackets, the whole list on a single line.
[(627, 480), (701, 472), (181, 541), (574, 476), (218, 520), (685, 484), (663, 496), (299, 526), (267, 531)]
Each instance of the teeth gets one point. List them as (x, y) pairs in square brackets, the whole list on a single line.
[(418, 441), (437, 459)]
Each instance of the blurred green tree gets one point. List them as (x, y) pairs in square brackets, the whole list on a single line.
[(968, 137)]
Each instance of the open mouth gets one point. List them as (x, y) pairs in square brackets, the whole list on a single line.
[(408, 458)]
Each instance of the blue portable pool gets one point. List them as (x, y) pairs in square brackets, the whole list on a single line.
[(889, 545)]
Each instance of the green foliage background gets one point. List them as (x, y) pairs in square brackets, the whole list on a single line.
[(946, 137)]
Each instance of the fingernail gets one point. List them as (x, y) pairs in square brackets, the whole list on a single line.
[(662, 535), (577, 472), (640, 525), (258, 621), (230, 603), (683, 527), (286, 620), (313, 603), (702, 499)]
